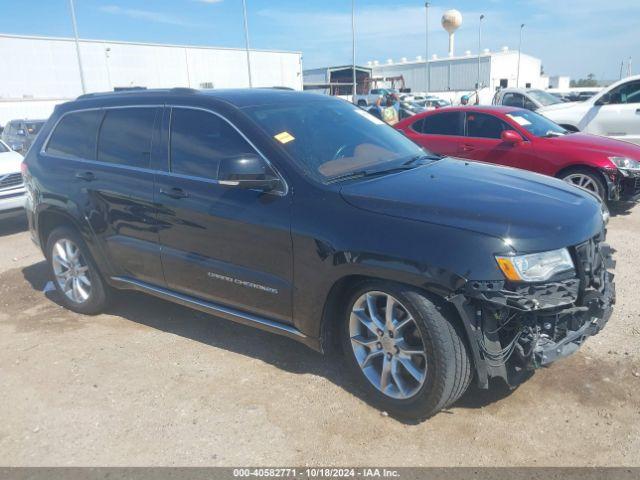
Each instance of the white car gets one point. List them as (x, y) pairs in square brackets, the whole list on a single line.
[(613, 112), (12, 191)]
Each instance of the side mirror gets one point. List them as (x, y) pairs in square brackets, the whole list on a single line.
[(511, 137), (248, 171), (604, 99)]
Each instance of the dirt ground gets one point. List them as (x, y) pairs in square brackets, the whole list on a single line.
[(152, 383)]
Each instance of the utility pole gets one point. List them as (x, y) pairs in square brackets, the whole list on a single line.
[(426, 47), (75, 34), (519, 52), (479, 49), (353, 51), (246, 41), (629, 67)]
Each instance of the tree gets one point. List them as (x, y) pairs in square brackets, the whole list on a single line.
[(590, 81)]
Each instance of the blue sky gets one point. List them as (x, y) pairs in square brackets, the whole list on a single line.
[(572, 37)]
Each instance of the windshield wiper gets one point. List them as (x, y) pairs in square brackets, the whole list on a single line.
[(407, 165), (422, 156), (369, 173)]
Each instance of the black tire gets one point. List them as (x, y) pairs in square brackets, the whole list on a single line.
[(600, 188), (98, 297), (450, 370)]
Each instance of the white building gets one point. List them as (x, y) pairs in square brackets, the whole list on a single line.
[(40, 72), (560, 82), (453, 76)]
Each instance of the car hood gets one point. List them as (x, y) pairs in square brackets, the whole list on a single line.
[(563, 107), (10, 162), (529, 212), (597, 143)]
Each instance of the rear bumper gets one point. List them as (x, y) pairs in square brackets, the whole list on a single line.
[(514, 329)]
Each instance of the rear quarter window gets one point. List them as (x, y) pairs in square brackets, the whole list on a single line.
[(446, 123), (75, 135)]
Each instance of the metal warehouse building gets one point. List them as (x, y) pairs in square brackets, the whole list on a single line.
[(497, 69), (42, 71), (448, 77)]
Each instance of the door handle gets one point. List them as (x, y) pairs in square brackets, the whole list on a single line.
[(174, 192), (86, 176)]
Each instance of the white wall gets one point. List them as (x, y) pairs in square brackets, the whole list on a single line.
[(33, 109), (48, 68), (505, 65)]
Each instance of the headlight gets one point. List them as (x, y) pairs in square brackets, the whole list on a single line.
[(535, 267), (624, 163)]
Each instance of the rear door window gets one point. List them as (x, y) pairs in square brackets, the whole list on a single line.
[(199, 140), (75, 135), (126, 135), (481, 125), (447, 123)]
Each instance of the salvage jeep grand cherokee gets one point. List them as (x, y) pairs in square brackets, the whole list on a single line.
[(306, 216)]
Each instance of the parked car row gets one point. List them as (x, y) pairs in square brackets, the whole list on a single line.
[(19, 134), (520, 138), (430, 272), (613, 112)]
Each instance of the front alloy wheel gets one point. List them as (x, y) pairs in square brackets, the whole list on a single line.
[(387, 344), (406, 348)]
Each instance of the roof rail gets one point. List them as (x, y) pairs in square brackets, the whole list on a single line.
[(184, 90)]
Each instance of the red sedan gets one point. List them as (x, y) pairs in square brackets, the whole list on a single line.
[(523, 139)]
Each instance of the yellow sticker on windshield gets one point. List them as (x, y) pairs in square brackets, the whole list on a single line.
[(284, 137)]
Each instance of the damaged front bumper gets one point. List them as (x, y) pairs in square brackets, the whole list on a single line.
[(515, 328)]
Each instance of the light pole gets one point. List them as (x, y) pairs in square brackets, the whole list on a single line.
[(75, 33), (479, 49), (107, 51), (426, 46), (519, 52), (246, 40), (353, 51)]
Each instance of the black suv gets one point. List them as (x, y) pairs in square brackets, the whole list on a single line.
[(305, 216)]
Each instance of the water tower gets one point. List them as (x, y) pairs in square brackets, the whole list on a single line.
[(451, 21)]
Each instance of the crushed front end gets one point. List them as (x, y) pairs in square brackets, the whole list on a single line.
[(515, 328)]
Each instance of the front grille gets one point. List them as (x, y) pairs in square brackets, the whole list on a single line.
[(10, 181)]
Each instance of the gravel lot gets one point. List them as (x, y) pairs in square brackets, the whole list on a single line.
[(152, 383)]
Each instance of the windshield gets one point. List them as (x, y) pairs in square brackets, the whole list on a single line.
[(536, 124), (544, 98), (332, 138), (33, 127)]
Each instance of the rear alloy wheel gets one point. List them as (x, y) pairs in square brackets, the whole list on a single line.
[(71, 271), (74, 272), (406, 348), (587, 181)]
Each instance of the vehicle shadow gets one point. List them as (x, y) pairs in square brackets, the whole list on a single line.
[(621, 208), (14, 224), (275, 350)]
